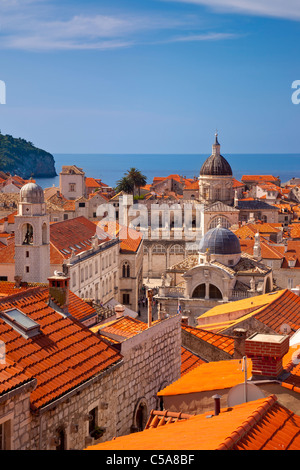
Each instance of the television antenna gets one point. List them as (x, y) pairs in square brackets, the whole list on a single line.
[(244, 392)]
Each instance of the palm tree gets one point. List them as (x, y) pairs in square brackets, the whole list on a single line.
[(137, 178), (126, 185)]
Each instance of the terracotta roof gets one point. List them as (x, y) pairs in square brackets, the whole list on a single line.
[(208, 376), (237, 184), (222, 342), (91, 183), (257, 425), (11, 376), (64, 355), (267, 251), (259, 178), (189, 361), (161, 418), (130, 239), (273, 310), (74, 234), (121, 329)]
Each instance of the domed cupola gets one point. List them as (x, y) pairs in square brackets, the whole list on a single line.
[(216, 165), (32, 193), (222, 245)]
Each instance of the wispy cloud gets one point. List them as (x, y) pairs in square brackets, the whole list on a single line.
[(39, 25), (204, 37), (285, 9)]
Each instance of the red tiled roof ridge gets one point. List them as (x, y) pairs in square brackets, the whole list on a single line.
[(24, 293), (247, 425)]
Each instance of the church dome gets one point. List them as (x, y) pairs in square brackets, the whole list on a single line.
[(220, 241), (32, 193), (216, 164)]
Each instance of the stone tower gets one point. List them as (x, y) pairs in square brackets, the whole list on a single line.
[(215, 180), (32, 236)]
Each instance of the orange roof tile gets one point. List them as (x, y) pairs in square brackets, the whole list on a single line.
[(74, 234), (222, 342), (257, 425), (208, 376), (189, 361), (259, 178), (121, 328), (64, 355), (130, 239)]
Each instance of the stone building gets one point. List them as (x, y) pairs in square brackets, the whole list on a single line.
[(64, 387), (72, 182), (219, 273)]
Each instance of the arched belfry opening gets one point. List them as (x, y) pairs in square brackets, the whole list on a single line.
[(27, 234)]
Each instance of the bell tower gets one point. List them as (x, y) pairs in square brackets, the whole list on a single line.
[(32, 236)]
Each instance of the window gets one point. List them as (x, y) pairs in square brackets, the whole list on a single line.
[(126, 299), (158, 249), (27, 254), (82, 204), (175, 249), (66, 216), (72, 187), (27, 230), (290, 283), (92, 421), (27, 269), (3, 278), (5, 435), (126, 270)]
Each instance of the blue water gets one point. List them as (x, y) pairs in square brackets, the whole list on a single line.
[(110, 168)]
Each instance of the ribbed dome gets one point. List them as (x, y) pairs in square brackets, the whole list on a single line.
[(220, 241), (216, 165), (32, 193)]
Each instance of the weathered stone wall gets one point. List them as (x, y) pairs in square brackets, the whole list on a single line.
[(152, 359), (202, 348)]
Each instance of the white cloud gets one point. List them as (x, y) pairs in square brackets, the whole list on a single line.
[(285, 9), (204, 37), (38, 25)]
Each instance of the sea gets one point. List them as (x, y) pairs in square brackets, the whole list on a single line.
[(112, 167)]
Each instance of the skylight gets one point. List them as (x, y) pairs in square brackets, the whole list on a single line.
[(21, 323)]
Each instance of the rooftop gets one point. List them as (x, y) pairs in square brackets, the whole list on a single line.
[(63, 356), (257, 425)]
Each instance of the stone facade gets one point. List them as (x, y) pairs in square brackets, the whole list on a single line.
[(118, 401)]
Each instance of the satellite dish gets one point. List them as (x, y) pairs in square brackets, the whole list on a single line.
[(285, 329), (236, 395)]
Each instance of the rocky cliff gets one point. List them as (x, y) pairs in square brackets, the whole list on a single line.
[(20, 157)]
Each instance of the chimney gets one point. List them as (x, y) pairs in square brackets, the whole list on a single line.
[(59, 290), (239, 335), (217, 399), (266, 352), (150, 297), (185, 321), (18, 280), (119, 311)]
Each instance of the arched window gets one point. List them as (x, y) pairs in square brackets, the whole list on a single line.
[(176, 249), (140, 416), (126, 269), (44, 234), (214, 292), (199, 292), (158, 249), (27, 233), (219, 219)]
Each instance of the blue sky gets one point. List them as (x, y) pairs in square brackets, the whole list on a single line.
[(151, 76)]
